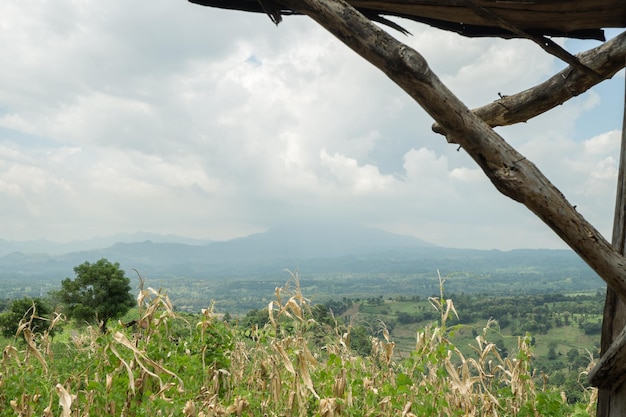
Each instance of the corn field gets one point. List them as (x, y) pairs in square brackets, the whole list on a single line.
[(169, 364)]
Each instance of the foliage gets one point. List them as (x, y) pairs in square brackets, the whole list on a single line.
[(99, 292), (196, 365), (25, 309)]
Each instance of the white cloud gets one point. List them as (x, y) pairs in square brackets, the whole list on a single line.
[(467, 175), (181, 119), (357, 179), (604, 144)]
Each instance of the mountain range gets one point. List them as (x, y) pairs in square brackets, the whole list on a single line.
[(44, 246), (169, 253), (324, 248)]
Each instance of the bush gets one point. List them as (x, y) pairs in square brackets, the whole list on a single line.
[(23, 310), (591, 328)]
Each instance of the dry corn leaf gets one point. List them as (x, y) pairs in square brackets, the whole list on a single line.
[(293, 306), (270, 312), (10, 352), (123, 340), (190, 409), (32, 348), (285, 357), (65, 400), (304, 372), (131, 376)]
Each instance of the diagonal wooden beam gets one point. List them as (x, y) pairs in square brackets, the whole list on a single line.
[(509, 171), (606, 60)]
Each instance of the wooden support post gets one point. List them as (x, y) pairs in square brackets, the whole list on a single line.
[(610, 372)]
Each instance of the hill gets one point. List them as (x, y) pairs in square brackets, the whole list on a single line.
[(173, 254), (335, 260)]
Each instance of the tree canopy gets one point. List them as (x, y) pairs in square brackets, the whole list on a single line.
[(100, 292), (25, 309)]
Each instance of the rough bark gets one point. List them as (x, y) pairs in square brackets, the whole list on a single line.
[(510, 172), (608, 375), (606, 60)]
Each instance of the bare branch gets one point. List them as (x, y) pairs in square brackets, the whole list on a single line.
[(510, 172), (606, 60)]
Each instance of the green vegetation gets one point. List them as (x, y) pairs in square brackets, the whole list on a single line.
[(242, 285), (564, 328), (293, 358), (99, 293), (383, 350), (34, 311)]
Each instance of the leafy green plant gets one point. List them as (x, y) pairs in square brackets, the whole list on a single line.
[(170, 364)]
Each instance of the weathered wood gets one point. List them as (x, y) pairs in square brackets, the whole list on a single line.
[(561, 15), (510, 172), (572, 18), (606, 60), (542, 40), (610, 371)]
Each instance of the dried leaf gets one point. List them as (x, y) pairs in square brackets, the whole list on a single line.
[(285, 357), (65, 400), (304, 372), (131, 376)]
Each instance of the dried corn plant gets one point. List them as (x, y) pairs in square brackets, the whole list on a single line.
[(196, 365)]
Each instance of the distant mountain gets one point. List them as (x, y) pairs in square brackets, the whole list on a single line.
[(343, 259), (319, 240), (44, 246), (320, 247), (282, 246)]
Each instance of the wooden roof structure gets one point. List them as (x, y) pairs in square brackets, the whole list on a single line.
[(583, 19)]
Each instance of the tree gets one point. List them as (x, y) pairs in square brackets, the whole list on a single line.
[(100, 292), (25, 309)]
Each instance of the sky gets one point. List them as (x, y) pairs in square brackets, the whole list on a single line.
[(173, 118)]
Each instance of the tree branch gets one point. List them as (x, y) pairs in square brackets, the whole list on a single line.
[(606, 60), (510, 172)]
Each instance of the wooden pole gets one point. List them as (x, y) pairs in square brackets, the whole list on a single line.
[(612, 397)]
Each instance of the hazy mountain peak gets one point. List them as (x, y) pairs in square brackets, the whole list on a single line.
[(59, 248)]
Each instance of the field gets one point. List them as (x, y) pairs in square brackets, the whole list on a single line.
[(302, 362)]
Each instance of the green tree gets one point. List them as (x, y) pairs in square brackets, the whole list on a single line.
[(25, 309), (100, 292)]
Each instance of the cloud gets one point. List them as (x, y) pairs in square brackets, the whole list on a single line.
[(347, 173), (175, 118)]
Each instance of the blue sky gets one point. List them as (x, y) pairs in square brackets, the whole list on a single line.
[(172, 118)]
